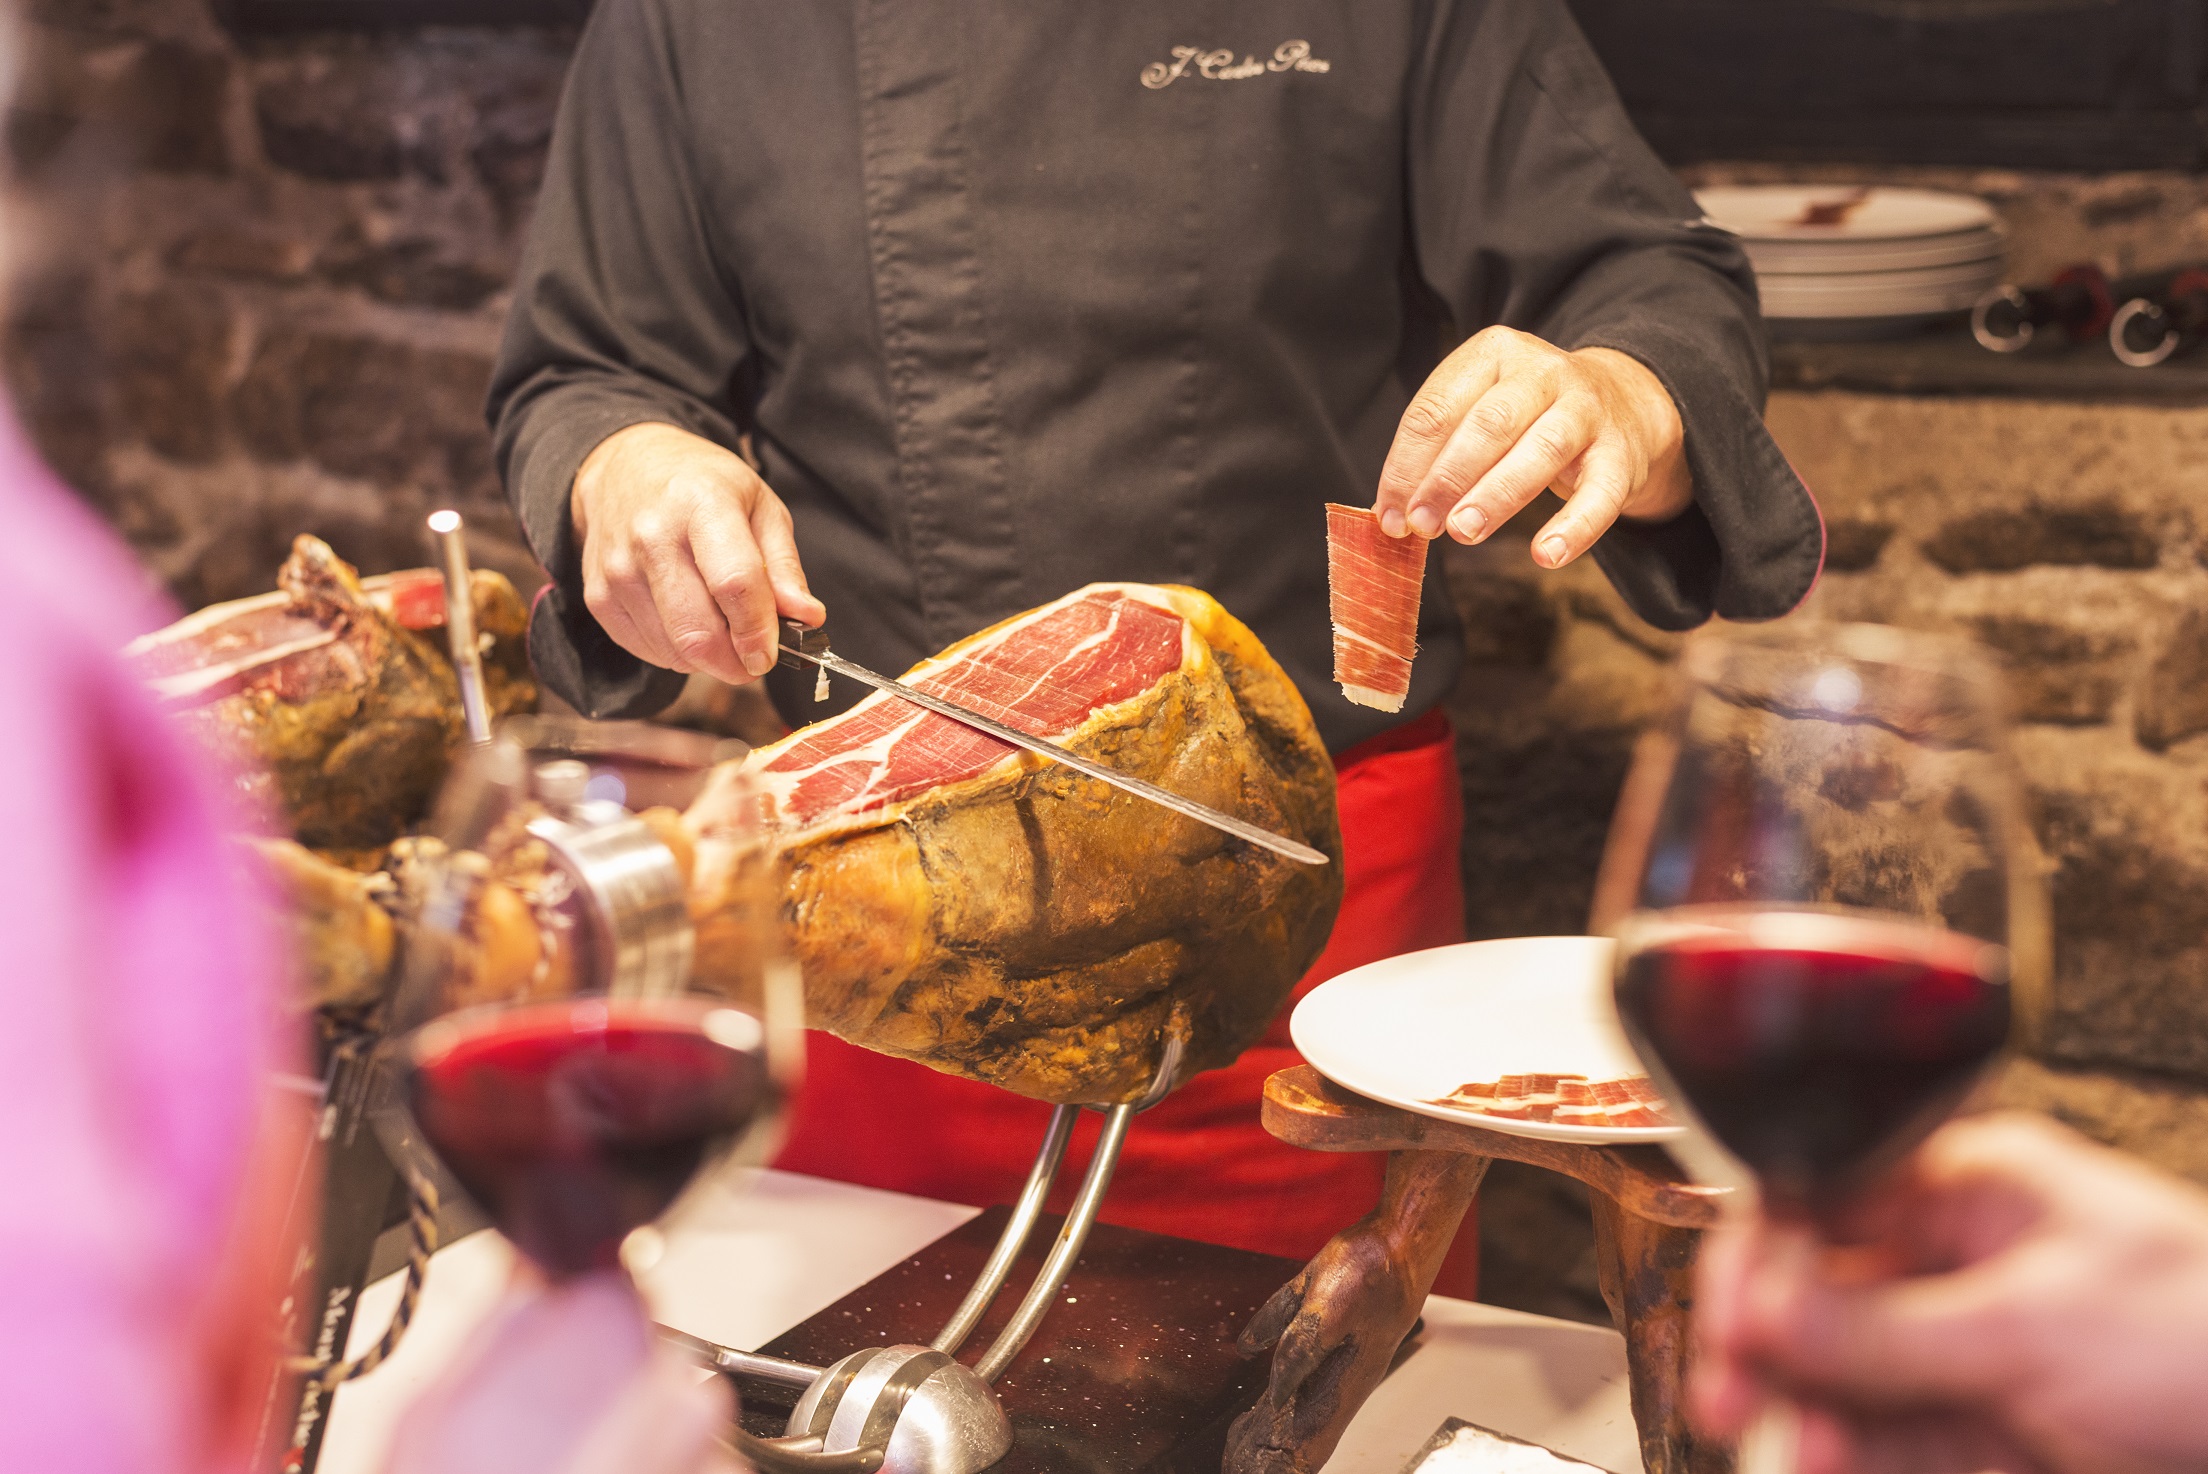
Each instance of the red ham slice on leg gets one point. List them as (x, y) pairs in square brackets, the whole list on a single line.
[(1373, 583), (1045, 672)]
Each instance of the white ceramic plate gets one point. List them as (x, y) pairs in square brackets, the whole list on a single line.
[(1411, 1029), (1871, 283), (1780, 212), (1918, 293), (1834, 258), (1929, 303)]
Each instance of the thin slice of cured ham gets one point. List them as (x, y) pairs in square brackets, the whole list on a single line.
[(1373, 585), (1565, 1100), (996, 915)]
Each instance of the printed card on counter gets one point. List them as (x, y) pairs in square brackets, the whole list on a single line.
[(1466, 1448)]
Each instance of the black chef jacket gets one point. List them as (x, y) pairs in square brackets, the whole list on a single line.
[(1013, 295)]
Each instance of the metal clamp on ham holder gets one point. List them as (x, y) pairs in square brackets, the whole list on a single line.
[(914, 1409)]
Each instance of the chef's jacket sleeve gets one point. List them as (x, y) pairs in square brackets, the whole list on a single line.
[(621, 316), (1537, 205)]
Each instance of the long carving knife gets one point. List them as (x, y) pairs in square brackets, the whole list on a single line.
[(811, 646)]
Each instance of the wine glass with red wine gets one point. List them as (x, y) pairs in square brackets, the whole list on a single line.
[(555, 1050), (1828, 907)]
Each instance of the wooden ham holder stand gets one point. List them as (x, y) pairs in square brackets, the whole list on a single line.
[(1336, 1327)]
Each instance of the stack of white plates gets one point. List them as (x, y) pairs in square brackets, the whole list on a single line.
[(1834, 260)]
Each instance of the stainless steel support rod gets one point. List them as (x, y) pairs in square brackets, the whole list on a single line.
[(1063, 1255), (742, 1363), (467, 655), (1048, 1158), (766, 1368)]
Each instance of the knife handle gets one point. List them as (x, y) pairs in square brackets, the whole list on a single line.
[(798, 641)]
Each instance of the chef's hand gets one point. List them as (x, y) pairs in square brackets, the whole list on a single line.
[(1506, 417), (2020, 1299), (687, 555), (566, 1379)]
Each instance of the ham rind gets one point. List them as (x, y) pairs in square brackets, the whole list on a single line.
[(1045, 674), (1373, 585), (1564, 1100)]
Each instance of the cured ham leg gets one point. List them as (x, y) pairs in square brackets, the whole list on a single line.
[(332, 692), (1373, 586), (989, 913)]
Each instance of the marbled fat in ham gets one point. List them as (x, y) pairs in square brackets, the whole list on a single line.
[(1373, 584), (1046, 674)]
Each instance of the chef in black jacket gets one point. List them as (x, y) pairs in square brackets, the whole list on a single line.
[(1009, 297)]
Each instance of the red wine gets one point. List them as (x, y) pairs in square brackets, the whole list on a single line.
[(1817, 1047), (572, 1123)]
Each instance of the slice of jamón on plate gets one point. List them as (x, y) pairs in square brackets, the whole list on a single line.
[(1564, 1100), (1373, 584)]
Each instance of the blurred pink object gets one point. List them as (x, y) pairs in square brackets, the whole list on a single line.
[(138, 1022), (567, 1379)]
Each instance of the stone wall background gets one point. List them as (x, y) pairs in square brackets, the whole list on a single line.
[(262, 283)]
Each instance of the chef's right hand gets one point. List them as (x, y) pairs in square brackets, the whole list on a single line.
[(688, 557)]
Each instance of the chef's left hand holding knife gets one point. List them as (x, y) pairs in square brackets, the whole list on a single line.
[(688, 557), (1508, 416)]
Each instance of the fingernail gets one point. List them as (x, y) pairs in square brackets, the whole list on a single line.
[(1469, 523), (757, 663), (1391, 522), (1424, 522), (1552, 549)]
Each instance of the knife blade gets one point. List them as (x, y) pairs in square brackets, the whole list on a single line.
[(811, 646)]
